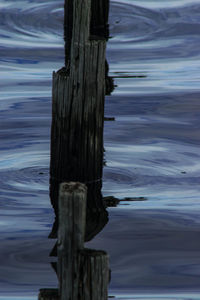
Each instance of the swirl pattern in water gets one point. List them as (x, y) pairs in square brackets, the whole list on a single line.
[(161, 42), (31, 24)]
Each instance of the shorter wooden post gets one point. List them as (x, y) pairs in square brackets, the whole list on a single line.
[(48, 294), (93, 274), (71, 232)]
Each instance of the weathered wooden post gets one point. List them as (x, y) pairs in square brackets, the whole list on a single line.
[(83, 273), (77, 151), (78, 113), (72, 215), (78, 105), (94, 275)]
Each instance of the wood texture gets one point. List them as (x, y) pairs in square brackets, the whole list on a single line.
[(94, 275), (78, 112), (77, 151), (99, 27), (72, 204)]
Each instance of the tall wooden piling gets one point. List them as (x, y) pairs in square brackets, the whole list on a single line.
[(78, 112), (77, 150), (99, 27), (83, 273), (78, 105)]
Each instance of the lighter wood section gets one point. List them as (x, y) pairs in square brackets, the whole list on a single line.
[(72, 210)]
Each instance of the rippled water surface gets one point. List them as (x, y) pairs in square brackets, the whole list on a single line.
[(152, 148)]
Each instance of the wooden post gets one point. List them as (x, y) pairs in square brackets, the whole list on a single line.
[(78, 113), (77, 150), (78, 106), (83, 273), (72, 213), (94, 275)]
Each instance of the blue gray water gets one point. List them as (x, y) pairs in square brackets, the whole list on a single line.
[(152, 149)]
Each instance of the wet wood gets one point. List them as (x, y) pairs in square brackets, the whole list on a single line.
[(83, 273), (72, 214), (94, 275), (99, 19), (78, 109), (77, 151), (77, 124)]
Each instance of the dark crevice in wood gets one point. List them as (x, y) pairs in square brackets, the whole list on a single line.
[(99, 19), (68, 26)]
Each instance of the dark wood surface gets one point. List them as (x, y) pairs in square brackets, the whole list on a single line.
[(72, 215), (78, 94)]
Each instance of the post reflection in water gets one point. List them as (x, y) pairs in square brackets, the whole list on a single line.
[(79, 90)]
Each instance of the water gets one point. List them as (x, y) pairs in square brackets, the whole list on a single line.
[(152, 149)]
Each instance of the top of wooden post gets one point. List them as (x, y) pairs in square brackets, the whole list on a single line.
[(71, 187)]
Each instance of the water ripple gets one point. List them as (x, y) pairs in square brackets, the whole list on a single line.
[(27, 179), (129, 23), (33, 25)]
